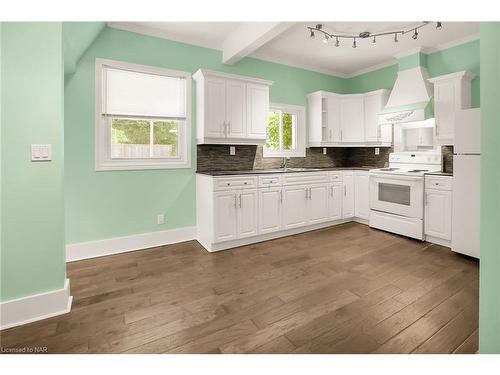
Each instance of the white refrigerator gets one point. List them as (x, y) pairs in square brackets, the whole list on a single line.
[(466, 186)]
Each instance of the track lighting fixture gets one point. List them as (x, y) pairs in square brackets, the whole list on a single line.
[(366, 34)]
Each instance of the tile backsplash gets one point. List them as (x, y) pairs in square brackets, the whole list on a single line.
[(216, 157)]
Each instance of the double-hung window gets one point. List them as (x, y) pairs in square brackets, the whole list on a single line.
[(285, 131), (142, 117)]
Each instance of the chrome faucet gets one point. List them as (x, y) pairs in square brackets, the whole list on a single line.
[(284, 164)]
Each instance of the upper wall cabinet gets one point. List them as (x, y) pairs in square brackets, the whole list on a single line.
[(230, 109), (452, 92), (347, 120)]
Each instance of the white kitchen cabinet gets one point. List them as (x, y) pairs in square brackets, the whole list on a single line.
[(225, 216), (361, 195), (215, 108), (438, 207), (352, 119), (236, 119), (270, 209), (240, 209), (348, 194), (257, 110), (230, 109), (374, 103), (335, 201), (318, 203), (295, 202), (247, 213), (348, 119), (452, 92)]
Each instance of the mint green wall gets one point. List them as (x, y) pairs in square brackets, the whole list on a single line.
[(119, 203), (32, 240), (489, 301), (77, 37), (462, 57)]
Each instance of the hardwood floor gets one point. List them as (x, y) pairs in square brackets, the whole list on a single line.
[(344, 289)]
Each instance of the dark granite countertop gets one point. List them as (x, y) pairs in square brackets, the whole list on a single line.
[(447, 174), (288, 170)]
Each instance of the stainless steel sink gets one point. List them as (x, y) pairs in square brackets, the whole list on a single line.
[(301, 169)]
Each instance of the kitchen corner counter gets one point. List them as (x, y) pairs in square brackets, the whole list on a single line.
[(281, 170)]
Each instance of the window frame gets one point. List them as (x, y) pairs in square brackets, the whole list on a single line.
[(300, 150), (103, 160)]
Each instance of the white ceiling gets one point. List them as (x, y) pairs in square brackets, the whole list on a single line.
[(295, 47)]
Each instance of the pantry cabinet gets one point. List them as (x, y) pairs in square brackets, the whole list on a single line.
[(338, 120), (452, 92), (230, 109)]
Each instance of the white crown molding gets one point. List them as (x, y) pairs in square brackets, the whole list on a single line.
[(453, 43), (141, 29), (40, 306), (426, 50), (117, 245), (152, 31)]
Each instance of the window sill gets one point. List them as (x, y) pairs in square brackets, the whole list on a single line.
[(138, 165)]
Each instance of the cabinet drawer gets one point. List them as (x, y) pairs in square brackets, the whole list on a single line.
[(336, 176), (305, 178), (439, 182), (269, 180), (240, 182)]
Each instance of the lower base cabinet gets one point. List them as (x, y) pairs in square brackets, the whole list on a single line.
[(270, 210), (438, 207), (233, 208)]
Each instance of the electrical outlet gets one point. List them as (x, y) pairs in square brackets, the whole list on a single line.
[(160, 219), (232, 150), (41, 152), (324, 150), (377, 151)]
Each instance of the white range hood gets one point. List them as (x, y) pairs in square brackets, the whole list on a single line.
[(410, 99)]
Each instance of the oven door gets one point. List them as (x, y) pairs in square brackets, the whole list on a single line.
[(399, 195)]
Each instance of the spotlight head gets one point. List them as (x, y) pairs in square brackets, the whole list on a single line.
[(312, 33), (415, 35), (439, 25)]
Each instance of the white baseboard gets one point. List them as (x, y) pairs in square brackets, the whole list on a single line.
[(37, 307), (99, 248)]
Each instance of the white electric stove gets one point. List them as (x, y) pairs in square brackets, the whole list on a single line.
[(397, 192)]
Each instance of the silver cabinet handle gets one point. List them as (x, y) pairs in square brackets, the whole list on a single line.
[(306, 193), (240, 200), (228, 127), (341, 137), (281, 196), (425, 199), (235, 206), (330, 134)]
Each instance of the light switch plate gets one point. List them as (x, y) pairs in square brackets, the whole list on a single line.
[(232, 150), (160, 219), (41, 152), (377, 151), (324, 151)]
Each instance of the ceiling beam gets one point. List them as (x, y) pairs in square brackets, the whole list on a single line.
[(248, 37)]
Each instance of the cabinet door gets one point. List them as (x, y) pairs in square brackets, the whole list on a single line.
[(361, 195), (444, 110), (352, 119), (335, 201), (438, 213), (318, 203), (215, 107), (270, 210), (348, 195), (333, 119), (247, 209), (225, 215), (372, 107), (257, 110), (294, 206), (236, 109)]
